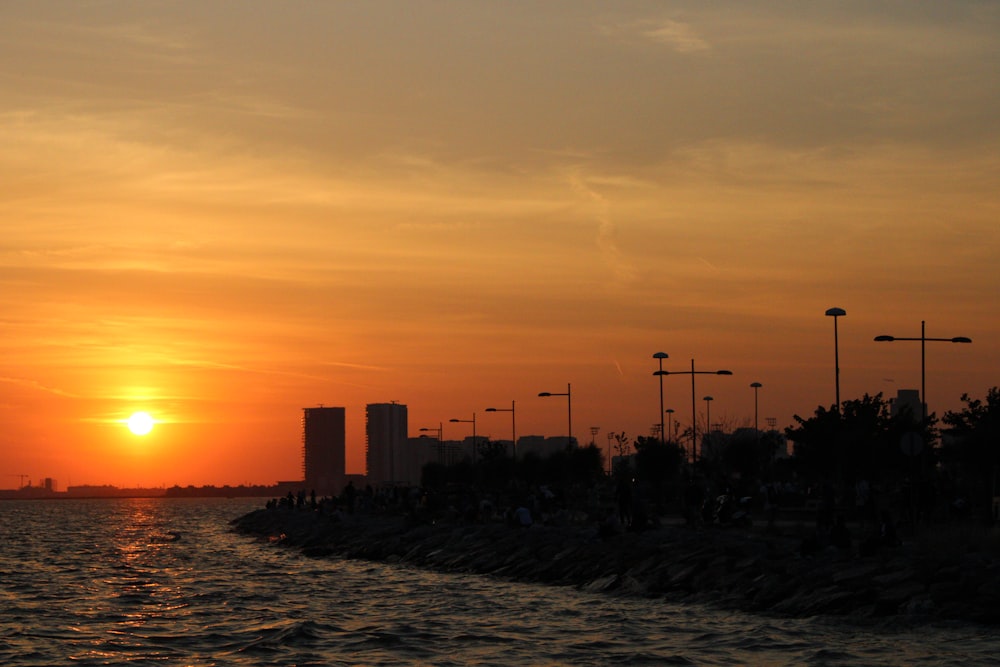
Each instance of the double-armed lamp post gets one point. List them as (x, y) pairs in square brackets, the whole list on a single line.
[(513, 427), (923, 357), (660, 356), (569, 408), (694, 401)]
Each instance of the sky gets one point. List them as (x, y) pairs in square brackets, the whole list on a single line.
[(223, 213)]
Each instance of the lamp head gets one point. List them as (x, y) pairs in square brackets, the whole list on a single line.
[(961, 339), (545, 393), (884, 339), (756, 385), (836, 312), (723, 372), (661, 355)]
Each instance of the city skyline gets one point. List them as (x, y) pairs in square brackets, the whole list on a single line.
[(219, 215)]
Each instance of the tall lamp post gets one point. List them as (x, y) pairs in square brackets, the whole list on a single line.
[(611, 436), (708, 414), (660, 356), (475, 442), (835, 313), (756, 386), (440, 436), (923, 357), (513, 427), (569, 408), (694, 404), (671, 424)]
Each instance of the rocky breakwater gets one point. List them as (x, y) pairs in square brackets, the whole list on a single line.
[(737, 569)]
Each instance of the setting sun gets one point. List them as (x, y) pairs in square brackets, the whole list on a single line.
[(140, 423)]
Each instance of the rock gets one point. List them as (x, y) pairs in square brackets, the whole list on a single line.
[(728, 568)]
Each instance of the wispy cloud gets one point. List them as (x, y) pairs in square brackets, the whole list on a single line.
[(34, 384), (623, 270), (680, 37)]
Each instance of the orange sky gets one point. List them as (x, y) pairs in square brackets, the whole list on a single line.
[(223, 213)]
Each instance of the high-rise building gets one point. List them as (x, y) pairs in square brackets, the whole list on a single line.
[(323, 449), (387, 456), (908, 400)]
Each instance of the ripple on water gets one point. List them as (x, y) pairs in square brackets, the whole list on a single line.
[(107, 582)]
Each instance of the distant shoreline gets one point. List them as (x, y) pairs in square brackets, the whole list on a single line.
[(123, 493)]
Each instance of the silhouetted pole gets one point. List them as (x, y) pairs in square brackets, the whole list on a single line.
[(835, 313), (756, 386), (923, 358), (440, 447), (569, 408), (694, 401), (671, 424), (660, 356), (472, 421), (513, 427), (708, 416)]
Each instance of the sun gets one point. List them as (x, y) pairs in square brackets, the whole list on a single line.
[(140, 423)]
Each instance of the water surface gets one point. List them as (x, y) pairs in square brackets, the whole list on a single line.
[(166, 582)]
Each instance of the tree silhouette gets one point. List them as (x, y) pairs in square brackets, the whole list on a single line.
[(658, 465), (972, 449), (861, 441)]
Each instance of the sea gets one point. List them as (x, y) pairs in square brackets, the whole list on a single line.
[(168, 582)]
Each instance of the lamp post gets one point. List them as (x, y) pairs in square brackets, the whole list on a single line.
[(440, 436), (472, 421), (594, 430), (611, 436), (694, 405), (513, 427), (671, 423), (660, 356), (756, 386), (923, 357), (569, 408), (708, 414), (835, 313)]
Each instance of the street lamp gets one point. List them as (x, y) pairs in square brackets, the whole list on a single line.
[(472, 421), (594, 430), (923, 357), (835, 313), (439, 430), (440, 436), (611, 436), (660, 356), (513, 427), (694, 408), (672, 424), (708, 414), (756, 386), (569, 408)]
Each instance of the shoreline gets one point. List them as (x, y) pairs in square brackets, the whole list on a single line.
[(731, 568)]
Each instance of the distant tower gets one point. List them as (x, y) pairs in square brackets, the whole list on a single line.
[(907, 400), (323, 449), (386, 451)]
